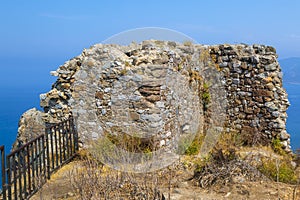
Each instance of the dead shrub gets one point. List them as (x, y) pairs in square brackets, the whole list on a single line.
[(93, 181)]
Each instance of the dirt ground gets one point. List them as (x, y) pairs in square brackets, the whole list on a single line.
[(59, 187)]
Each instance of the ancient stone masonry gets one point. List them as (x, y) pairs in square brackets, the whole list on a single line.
[(156, 88), (257, 103)]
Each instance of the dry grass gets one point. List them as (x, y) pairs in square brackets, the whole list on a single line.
[(92, 180)]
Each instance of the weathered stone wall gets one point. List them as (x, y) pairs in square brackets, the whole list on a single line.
[(257, 103), (31, 125), (167, 86)]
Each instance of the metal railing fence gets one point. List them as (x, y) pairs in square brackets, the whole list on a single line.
[(26, 169)]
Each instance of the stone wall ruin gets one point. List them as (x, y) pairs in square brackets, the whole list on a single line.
[(157, 88)]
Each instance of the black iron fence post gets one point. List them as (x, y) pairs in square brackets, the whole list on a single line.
[(8, 173), (47, 152), (2, 149), (75, 133)]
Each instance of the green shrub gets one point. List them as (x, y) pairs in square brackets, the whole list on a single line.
[(206, 98), (281, 170), (190, 146), (277, 146), (180, 67), (200, 163), (193, 149), (131, 143)]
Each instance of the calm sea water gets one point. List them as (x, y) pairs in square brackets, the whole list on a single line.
[(13, 104), (293, 121)]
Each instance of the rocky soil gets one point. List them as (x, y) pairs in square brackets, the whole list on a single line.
[(183, 187)]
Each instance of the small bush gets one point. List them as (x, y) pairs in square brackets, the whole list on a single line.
[(277, 146), (127, 64), (180, 67), (229, 141), (84, 154), (94, 181), (188, 146), (221, 167), (278, 170), (206, 98), (132, 143), (195, 76), (204, 56), (187, 43), (200, 163)]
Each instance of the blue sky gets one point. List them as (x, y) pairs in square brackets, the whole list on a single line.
[(50, 28), (38, 36)]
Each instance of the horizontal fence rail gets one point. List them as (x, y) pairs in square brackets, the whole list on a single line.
[(28, 167)]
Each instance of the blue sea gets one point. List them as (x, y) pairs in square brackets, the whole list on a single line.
[(293, 120), (13, 103)]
